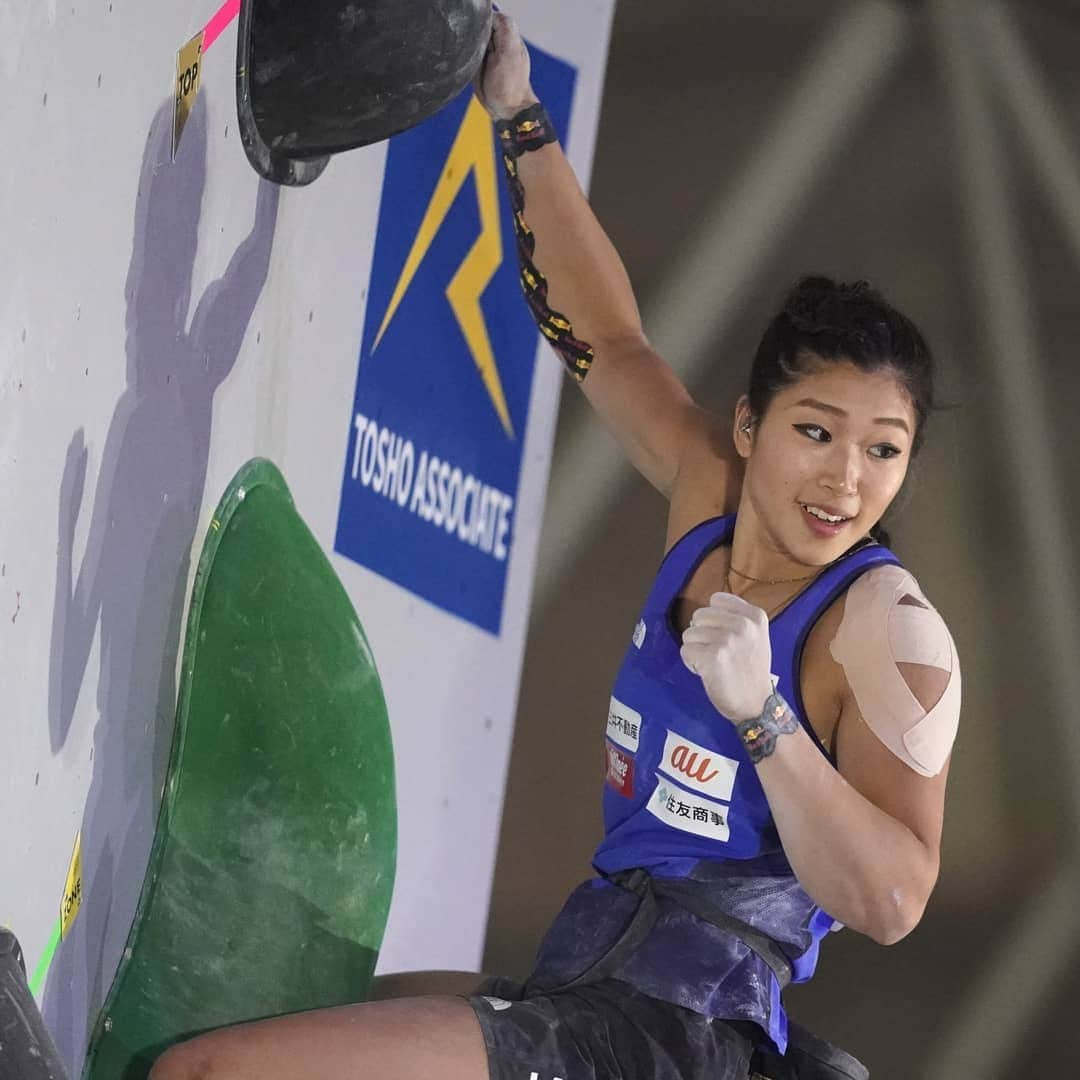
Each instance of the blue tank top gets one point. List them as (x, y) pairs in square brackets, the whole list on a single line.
[(683, 800)]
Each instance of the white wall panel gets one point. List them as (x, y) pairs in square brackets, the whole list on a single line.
[(96, 323)]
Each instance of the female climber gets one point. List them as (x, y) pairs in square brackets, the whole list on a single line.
[(779, 731)]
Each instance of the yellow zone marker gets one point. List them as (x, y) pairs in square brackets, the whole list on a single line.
[(72, 901), (188, 74)]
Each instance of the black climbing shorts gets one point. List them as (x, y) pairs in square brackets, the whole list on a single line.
[(606, 1031)]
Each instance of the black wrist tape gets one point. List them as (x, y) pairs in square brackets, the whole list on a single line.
[(530, 130)]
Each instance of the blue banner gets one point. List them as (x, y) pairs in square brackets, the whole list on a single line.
[(429, 491)]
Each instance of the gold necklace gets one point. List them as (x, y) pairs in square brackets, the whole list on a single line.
[(766, 581), (775, 581)]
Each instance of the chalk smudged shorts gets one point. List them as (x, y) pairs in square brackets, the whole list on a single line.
[(610, 1031)]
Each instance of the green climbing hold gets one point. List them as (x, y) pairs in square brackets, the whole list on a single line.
[(272, 866)]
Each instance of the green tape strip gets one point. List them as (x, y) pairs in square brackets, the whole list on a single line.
[(38, 979)]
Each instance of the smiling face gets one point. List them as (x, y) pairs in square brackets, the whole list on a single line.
[(834, 444)]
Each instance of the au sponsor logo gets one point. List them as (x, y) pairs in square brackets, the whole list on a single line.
[(698, 767)]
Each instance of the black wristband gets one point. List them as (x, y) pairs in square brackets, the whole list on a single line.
[(759, 734), (528, 130)]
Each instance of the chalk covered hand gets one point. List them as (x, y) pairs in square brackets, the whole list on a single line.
[(727, 645), (502, 84)]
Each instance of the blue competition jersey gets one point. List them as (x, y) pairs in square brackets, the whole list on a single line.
[(682, 799), (680, 785)]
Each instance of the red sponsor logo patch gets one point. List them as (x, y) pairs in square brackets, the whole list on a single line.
[(620, 771), (699, 767), (686, 761)]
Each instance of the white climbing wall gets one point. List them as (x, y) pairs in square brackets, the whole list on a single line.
[(161, 323)]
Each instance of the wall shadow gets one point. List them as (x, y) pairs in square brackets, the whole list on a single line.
[(131, 581)]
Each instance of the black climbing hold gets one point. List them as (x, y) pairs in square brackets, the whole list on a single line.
[(27, 1051), (316, 77)]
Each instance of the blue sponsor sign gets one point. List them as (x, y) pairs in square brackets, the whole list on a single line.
[(429, 492)]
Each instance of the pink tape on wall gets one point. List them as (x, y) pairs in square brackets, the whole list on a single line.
[(225, 15)]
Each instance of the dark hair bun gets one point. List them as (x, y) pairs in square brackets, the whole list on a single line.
[(848, 316)]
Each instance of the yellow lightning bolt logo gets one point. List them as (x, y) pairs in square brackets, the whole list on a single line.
[(472, 151)]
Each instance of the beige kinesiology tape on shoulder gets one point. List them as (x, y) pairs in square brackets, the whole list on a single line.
[(888, 621)]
